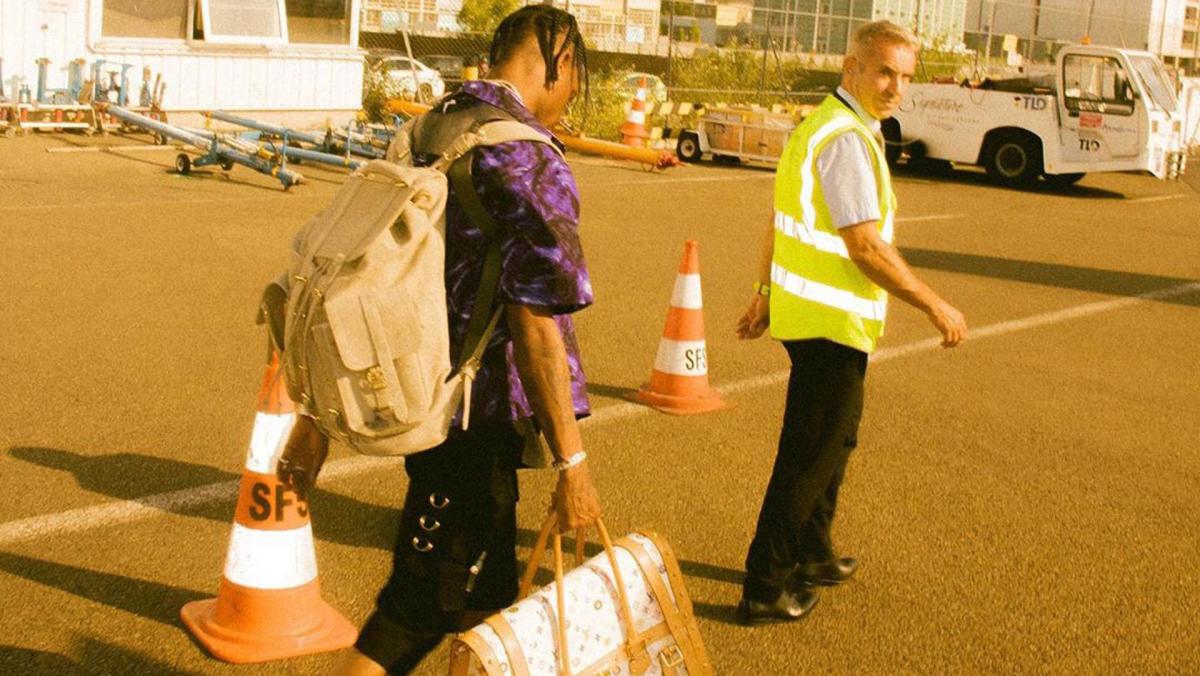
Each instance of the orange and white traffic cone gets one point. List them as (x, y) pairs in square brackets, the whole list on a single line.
[(633, 130), (679, 382), (268, 605)]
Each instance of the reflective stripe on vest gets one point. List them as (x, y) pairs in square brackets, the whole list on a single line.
[(874, 310), (811, 262)]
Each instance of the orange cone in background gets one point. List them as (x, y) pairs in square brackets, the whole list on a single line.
[(268, 605), (633, 131), (679, 382)]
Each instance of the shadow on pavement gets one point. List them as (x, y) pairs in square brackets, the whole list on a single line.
[(716, 612), (94, 657), (98, 657), (15, 660), (616, 392), (145, 478), (981, 179), (151, 600), (1112, 282)]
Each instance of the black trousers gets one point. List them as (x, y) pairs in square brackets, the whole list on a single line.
[(459, 514), (820, 429)]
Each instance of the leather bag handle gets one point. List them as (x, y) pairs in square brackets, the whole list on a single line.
[(635, 643)]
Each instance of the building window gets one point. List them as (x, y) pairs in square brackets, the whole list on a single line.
[(242, 21), (318, 21), (163, 19)]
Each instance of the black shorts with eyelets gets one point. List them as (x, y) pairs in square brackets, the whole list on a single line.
[(456, 550)]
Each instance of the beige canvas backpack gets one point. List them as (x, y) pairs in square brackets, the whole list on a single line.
[(365, 335)]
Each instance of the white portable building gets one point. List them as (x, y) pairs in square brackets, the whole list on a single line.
[(287, 61)]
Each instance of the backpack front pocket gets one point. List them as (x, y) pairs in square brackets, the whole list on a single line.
[(376, 340)]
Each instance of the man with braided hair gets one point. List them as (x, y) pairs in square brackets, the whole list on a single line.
[(455, 557)]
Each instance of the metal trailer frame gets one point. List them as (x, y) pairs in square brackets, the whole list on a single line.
[(275, 149), (325, 143), (25, 116), (216, 151), (699, 136)]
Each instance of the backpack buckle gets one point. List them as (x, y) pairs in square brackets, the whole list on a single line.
[(375, 378)]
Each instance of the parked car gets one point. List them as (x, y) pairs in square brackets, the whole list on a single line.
[(427, 85), (656, 89), (449, 66)]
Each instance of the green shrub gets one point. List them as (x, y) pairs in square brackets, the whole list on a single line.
[(601, 113), (376, 91)]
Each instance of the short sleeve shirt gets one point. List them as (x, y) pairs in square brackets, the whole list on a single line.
[(531, 194), (847, 175)]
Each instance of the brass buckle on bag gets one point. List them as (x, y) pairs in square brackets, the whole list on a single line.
[(671, 656), (375, 379)]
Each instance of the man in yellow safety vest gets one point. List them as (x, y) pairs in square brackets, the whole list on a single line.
[(827, 267)]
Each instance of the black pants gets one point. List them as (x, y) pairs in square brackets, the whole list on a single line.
[(459, 513), (820, 429)]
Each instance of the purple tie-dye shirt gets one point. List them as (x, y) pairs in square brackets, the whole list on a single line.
[(530, 192)]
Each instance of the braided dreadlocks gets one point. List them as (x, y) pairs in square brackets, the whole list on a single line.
[(548, 23)]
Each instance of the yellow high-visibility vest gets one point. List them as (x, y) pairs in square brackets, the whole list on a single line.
[(816, 290)]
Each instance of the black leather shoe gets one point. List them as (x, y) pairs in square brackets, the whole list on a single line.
[(828, 573), (789, 607)]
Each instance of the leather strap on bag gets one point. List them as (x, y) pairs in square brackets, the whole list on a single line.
[(683, 651), (512, 646), (683, 602), (482, 650), (635, 643)]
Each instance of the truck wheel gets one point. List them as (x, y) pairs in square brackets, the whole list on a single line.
[(1014, 160), (1063, 180), (688, 147)]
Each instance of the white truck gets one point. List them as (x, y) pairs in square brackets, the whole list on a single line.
[(1103, 109)]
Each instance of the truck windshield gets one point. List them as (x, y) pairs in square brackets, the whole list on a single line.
[(1154, 80)]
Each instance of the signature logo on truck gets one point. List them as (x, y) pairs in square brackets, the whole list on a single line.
[(918, 102)]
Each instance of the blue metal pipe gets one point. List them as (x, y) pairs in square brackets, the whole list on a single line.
[(293, 153), (314, 156), (43, 65), (273, 129), (212, 147), (277, 130)]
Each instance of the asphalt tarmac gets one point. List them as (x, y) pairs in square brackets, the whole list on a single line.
[(1028, 502)]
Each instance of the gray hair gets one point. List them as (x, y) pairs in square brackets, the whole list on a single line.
[(868, 35)]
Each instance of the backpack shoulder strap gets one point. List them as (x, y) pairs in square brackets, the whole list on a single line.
[(458, 161), (400, 149), (479, 326), (490, 133)]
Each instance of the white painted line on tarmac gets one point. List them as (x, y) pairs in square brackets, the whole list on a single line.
[(1155, 198), (126, 511), (113, 149), (158, 203), (930, 217), (694, 179)]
